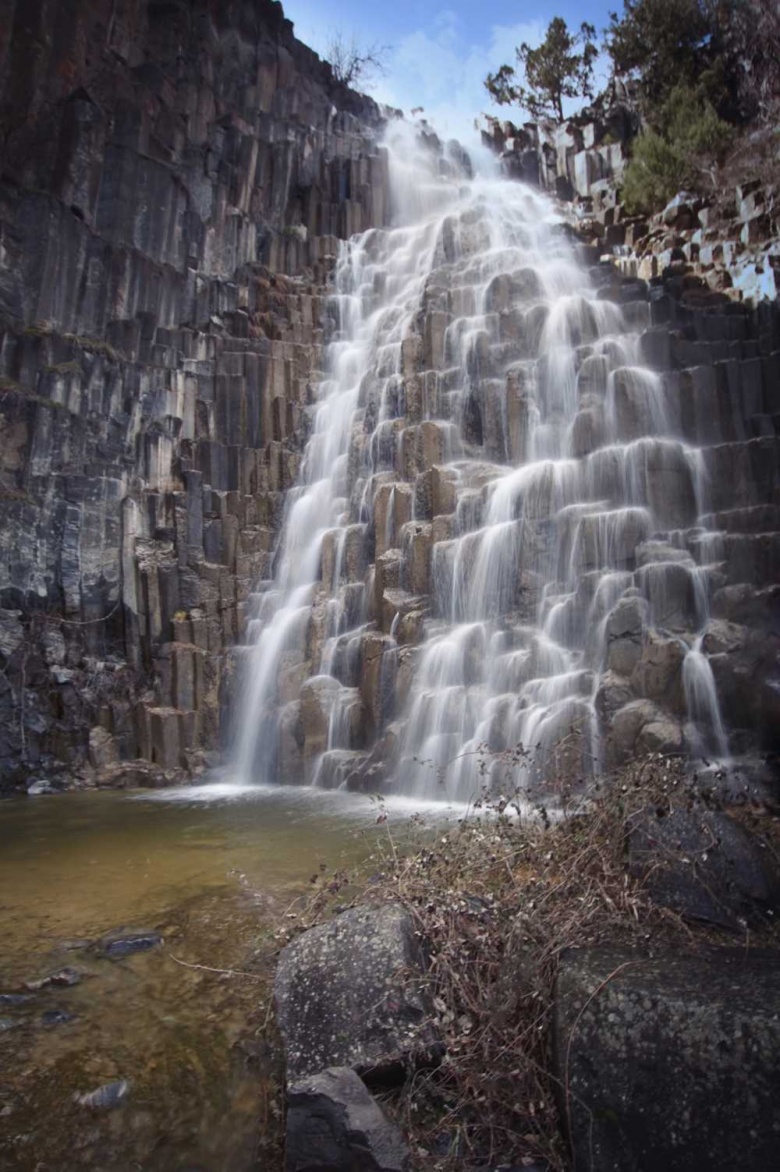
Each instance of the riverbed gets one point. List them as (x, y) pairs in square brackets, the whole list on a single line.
[(214, 871)]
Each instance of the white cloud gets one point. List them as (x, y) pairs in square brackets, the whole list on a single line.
[(439, 67), (445, 75)]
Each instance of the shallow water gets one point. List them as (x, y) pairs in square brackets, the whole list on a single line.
[(214, 869)]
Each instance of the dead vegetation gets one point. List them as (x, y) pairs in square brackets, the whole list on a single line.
[(497, 900)]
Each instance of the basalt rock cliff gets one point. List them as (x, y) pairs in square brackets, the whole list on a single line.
[(174, 179)]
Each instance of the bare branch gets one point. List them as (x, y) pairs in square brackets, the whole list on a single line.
[(356, 64)]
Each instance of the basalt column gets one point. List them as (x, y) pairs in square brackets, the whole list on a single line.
[(174, 181), (534, 530)]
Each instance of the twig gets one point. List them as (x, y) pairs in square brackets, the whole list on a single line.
[(626, 964), (206, 968)]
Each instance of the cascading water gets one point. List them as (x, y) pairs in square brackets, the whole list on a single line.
[(490, 473)]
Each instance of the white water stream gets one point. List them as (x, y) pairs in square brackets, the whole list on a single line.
[(468, 337)]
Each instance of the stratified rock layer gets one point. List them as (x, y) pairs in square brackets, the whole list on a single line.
[(174, 181)]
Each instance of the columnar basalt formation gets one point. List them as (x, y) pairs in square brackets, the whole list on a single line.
[(174, 181), (539, 508)]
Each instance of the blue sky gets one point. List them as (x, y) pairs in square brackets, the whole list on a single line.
[(439, 52)]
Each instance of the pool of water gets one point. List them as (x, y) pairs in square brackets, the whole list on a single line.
[(214, 870)]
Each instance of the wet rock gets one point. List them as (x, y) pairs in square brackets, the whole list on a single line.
[(119, 946), (103, 748), (349, 993), (8, 1023), (625, 634), (41, 786), (106, 1097), (614, 692), (669, 1062), (702, 864), (660, 735), (746, 668), (64, 978), (10, 1000), (657, 673), (131, 775), (318, 696), (54, 1017), (628, 724), (335, 1125)]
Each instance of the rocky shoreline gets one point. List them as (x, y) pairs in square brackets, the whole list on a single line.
[(650, 1048)]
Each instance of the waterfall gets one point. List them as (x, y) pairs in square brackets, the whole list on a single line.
[(490, 472)]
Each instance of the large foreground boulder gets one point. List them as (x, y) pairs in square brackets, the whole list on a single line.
[(349, 993), (335, 1125), (702, 864), (670, 1063)]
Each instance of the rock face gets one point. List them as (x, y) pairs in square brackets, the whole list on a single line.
[(348, 993), (577, 158), (535, 497), (669, 1063), (334, 1125), (173, 184)]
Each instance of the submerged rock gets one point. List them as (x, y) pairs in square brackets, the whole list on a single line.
[(12, 999), (669, 1063), (104, 1098), (119, 946), (53, 1017), (349, 993), (66, 978), (335, 1125)]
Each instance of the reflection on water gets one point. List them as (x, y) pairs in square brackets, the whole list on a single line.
[(212, 868)]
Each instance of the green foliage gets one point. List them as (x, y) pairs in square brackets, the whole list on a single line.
[(729, 49), (655, 173), (561, 67), (751, 39), (666, 42), (683, 153)]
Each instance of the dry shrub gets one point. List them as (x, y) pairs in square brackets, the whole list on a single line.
[(497, 899)]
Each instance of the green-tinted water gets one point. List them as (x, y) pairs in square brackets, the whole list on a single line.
[(214, 872)]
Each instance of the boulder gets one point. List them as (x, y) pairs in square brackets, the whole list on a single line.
[(349, 993), (703, 865), (335, 1125), (669, 1063), (660, 735), (628, 725)]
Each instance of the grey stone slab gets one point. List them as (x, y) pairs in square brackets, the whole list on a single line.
[(349, 993), (669, 1063), (335, 1125)]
